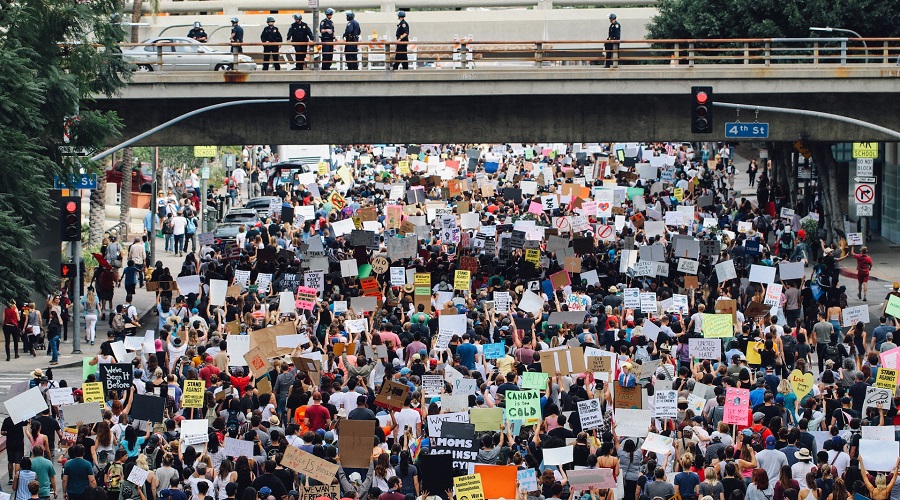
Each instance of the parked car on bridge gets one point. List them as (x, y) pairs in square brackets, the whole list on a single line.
[(185, 54)]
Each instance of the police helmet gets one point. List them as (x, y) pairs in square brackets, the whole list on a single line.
[(297, 17), (270, 19), (234, 19), (350, 15), (612, 16), (329, 11), (196, 24), (401, 14)]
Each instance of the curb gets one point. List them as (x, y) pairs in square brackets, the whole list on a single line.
[(78, 363), (849, 273)]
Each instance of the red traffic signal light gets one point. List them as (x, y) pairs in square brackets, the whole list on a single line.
[(68, 270), (70, 218), (299, 95), (701, 110)]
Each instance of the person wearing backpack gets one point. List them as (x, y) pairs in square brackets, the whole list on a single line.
[(168, 229), (114, 475), (117, 323), (190, 234), (129, 490)]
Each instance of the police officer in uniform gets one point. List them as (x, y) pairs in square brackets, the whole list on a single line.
[(198, 33), (326, 35), (270, 34), (615, 33), (402, 41), (351, 34), (237, 36), (299, 32)]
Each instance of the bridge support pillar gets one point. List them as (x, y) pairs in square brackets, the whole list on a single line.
[(544, 5), (388, 6)]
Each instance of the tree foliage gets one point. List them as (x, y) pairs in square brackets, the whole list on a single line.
[(48, 73), (771, 18)]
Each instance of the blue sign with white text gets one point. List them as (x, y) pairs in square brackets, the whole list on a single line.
[(738, 130), (76, 181)]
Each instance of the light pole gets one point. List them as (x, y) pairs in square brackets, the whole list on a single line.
[(829, 29)]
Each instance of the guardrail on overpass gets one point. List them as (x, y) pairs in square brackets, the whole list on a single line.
[(235, 6), (468, 54)]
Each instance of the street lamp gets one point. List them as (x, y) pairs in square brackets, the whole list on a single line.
[(829, 29)]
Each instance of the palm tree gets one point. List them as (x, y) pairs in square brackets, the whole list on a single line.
[(127, 169), (98, 213)]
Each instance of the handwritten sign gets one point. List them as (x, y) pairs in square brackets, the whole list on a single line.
[(116, 377), (801, 383), (308, 464), (494, 351), (737, 404), (523, 405), (705, 348), (716, 326)]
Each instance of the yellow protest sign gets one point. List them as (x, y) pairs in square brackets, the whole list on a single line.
[(462, 280), (801, 383), (193, 394), (469, 487), (323, 168), (753, 357), (93, 392), (679, 194), (345, 175), (423, 279), (404, 167), (716, 326), (887, 378), (357, 222), (338, 201), (533, 255)]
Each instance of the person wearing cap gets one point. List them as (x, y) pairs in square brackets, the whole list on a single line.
[(888, 343), (758, 427), (402, 41), (614, 34), (770, 459), (269, 36), (300, 34)]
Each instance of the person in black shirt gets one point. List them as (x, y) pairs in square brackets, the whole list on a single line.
[(15, 442), (268, 480), (615, 33), (237, 36), (326, 36), (299, 33), (198, 33), (561, 431), (402, 41), (270, 34), (50, 427), (351, 34)]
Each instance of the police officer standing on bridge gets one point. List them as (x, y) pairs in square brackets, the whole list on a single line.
[(270, 34), (237, 36), (198, 33), (326, 35), (351, 34), (615, 33), (402, 41), (299, 32)]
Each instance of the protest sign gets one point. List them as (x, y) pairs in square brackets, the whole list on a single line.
[(468, 487), (138, 475), (148, 408), (92, 392), (599, 364), (887, 378), (875, 396), (585, 479), (705, 348), (432, 385), (878, 432), (301, 462), (590, 413), (320, 491), (61, 396), (116, 377), (737, 405), (629, 397), (566, 361), (192, 396), (457, 440), (494, 351), (486, 419), (392, 395), (523, 405), (86, 413), (436, 422), (534, 380), (356, 442), (665, 404), (879, 455), (559, 456), (801, 383), (717, 326), (527, 479), (657, 443), (855, 314), (632, 423), (498, 481)]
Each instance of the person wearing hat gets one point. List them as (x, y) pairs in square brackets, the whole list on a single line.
[(351, 34), (770, 459), (326, 36), (758, 427), (802, 466), (402, 41), (888, 343), (615, 33), (270, 36), (301, 34)]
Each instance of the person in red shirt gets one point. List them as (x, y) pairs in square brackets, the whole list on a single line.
[(863, 268), (317, 416), (208, 370), (11, 327), (238, 381)]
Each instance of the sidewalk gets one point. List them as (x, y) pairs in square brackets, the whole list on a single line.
[(144, 301)]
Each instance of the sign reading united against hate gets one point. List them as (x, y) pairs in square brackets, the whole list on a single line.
[(717, 326), (193, 394)]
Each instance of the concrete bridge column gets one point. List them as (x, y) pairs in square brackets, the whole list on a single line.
[(890, 191), (388, 6), (544, 5), (230, 8)]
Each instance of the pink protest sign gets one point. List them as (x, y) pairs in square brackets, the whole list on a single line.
[(535, 208), (737, 405), (306, 298)]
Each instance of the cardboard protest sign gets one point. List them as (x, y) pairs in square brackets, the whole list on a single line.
[(257, 361), (356, 442), (392, 395), (599, 364), (629, 397), (86, 413), (566, 361), (304, 463)]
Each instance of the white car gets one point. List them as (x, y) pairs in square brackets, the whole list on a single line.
[(185, 54)]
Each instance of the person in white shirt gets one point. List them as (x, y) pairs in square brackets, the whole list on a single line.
[(408, 418), (179, 223)]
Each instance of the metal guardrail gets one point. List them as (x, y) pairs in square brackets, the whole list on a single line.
[(469, 54)]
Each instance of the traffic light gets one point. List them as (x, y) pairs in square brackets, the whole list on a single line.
[(299, 106), (701, 110), (67, 270), (70, 218)]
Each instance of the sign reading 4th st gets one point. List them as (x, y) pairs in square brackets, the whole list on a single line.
[(76, 181), (738, 130)]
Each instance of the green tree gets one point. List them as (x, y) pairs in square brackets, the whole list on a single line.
[(48, 74)]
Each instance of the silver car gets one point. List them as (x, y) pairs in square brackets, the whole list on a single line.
[(185, 55)]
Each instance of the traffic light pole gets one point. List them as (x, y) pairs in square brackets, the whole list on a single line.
[(76, 297), (816, 114)]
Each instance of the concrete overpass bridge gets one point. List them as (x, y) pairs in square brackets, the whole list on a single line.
[(544, 93)]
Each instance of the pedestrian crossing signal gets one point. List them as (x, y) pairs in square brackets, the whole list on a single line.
[(67, 270), (299, 98)]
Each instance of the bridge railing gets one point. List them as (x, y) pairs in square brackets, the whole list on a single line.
[(471, 54)]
